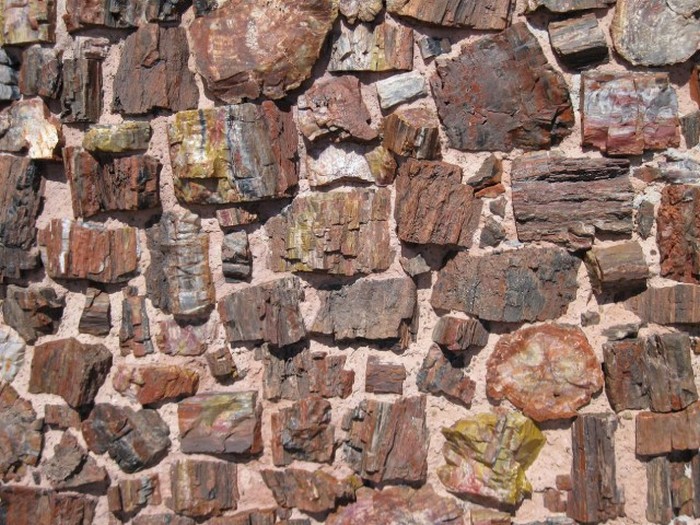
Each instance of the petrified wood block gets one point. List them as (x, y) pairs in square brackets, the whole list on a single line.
[(482, 14), (9, 88), (81, 97), (28, 127), (135, 330), (12, 350), (678, 233), (71, 468), (383, 377), (303, 431), (568, 6), (20, 435), (578, 42), (129, 496), (125, 137), (27, 21), (362, 10), (311, 492), (120, 14), (398, 89), (658, 434), (617, 267), (459, 335), (96, 316), (35, 506), (33, 311), (203, 488), (443, 375), (673, 485), (155, 384), (679, 304), (236, 259), (412, 132)]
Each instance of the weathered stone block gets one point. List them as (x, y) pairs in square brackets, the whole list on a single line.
[(578, 42), (384, 378), (412, 132), (236, 259), (459, 335), (311, 492), (40, 73), (203, 488), (443, 375), (21, 439), (27, 126), (135, 330), (678, 304), (129, 496), (96, 317), (28, 22), (678, 233), (483, 14), (71, 468), (33, 506), (82, 14), (81, 97), (304, 432), (155, 384), (617, 267)]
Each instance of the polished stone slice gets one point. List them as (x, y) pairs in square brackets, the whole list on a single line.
[(21, 439), (120, 14), (483, 109), (578, 42), (33, 311), (678, 233), (27, 126), (303, 432), (481, 14), (155, 384), (230, 154), (339, 233), (27, 21), (246, 68), (310, 492), (202, 488), (548, 371)]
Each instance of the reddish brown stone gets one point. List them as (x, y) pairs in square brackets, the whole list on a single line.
[(578, 42), (61, 417), (267, 312), (221, 365), (672, 488), (155, 384), (627, 113), (595, 496), (570, 201), (256, 517), (21, 439), (71, 468), (250, 67), (114, 184), (459, 335), (339, 233), (433, 206), (303, 432), (310, 492), (388, 442), (40, 73), (493, 517), (96, 317), (33, 311), (482, 109), (617, 267), (232, 217), (488, 176), (81, 97), (31, 506), (547, 371), (679, 304), (625, 378), (70, 369), (524, 285), (77, 250), (81, 14), (412, 132), (221, 424), (203, 488), (444, 375), (187, 340), (658, 434), (129, 496), (135, 331), (134, 440), (28, 21), (153, 72), (552, 500), (678, 233), (384, 378), (231, 154), (334, 107), (484, 14)]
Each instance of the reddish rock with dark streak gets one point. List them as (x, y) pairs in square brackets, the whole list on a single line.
[(443, 375), (81, 95), (383, 377), (82, 14), (203, 488), (96, 317), (303, 432), (21, 439), (678, 233), (155, 384), (61, 417), (483, 14), (40, 73), (310, 492), (184, 339), (679, 304), (658, 434), (412, 132), (33, 506)]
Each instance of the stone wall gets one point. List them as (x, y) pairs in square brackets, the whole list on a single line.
[(402, 262)]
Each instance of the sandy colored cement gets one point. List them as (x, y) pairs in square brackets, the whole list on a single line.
[(555, 457)]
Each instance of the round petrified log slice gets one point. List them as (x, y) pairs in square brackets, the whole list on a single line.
[(548, 371)]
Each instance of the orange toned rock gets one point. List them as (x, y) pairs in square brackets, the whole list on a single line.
[(77, 250), (679, 304), (678, 233), (433, 206), (548, 371), (21, 439), (310, 492), (304, 432), (203, 488), (412, 132), (33, 506), (459, 335), (658, 434), (484, 14), (247, 68), (155, 384), (628, 113), (443, 375), (484, 110)]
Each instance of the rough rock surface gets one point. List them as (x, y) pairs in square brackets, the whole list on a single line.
[(236, 259), (443, 375), (578, 42), (627, 113), (221, 365), (571, 201), (229, 154), (672, 488), (34, 506), (129, 496), (81, 95), (180, 278), (568, 6), (247, 68), (96, 317), (303, 432), (28, 127), (71, 468), (81, 14), (70, 369), (183, 339), (203, 488), (266, 312), (135, 330), (487, 456), (125, 137), (412, 132), (433, 206), (225, 423), (362, 10), (658, 434), (153, 72), (155, 384), (21, 439), (77, 250), (233, 217), (679, 304), (40, 73), (617, 267), (339, 233), (532, 284), (459, 335), (384, 377), (9, 88), (28, 22), (401, 88), (595, 496), (12, 349), (376, 310), (349, 162), (134, 440), (33, 311), (548, 371), (483, 14), (481, 109), (311, 492), (388, 442), (678, 233)]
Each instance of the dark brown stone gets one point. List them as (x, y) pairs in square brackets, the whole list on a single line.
[(21, 439), (225, 423), (578, 42), (433, 206), (484, 14), (61, 417), (129, 496), (247, 68), (33, 506), (266, 312), (388, 442), (690, 125), (135, 331), (292, 374), (459, 335), (412, 132), (339, 233), (81, 14), (40, 73), (21, 193), (81, 96), (33, 311), (617, 267), (9, 90), (531, 284), (433, 46), (678, 233), (568, 6), (384, 378), (221, 365), (669, 373), (176, 339), (303, 432), (482, 109), (658, 434), (443, 375), (236, 259), (311, 492), (153, 72), (571, 201), (334, 107), (96, 317), (645, 219), (627, 113), (134, 440), (70, 369), (71, 468), (679, 304), (203, 488), (231, 154), (595, 496), (672, 487), (376, 310), (179, 278), (492, 234), (155, 384), (112, 184)]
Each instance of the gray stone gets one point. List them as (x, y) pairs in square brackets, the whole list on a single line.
[(398, 89)]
